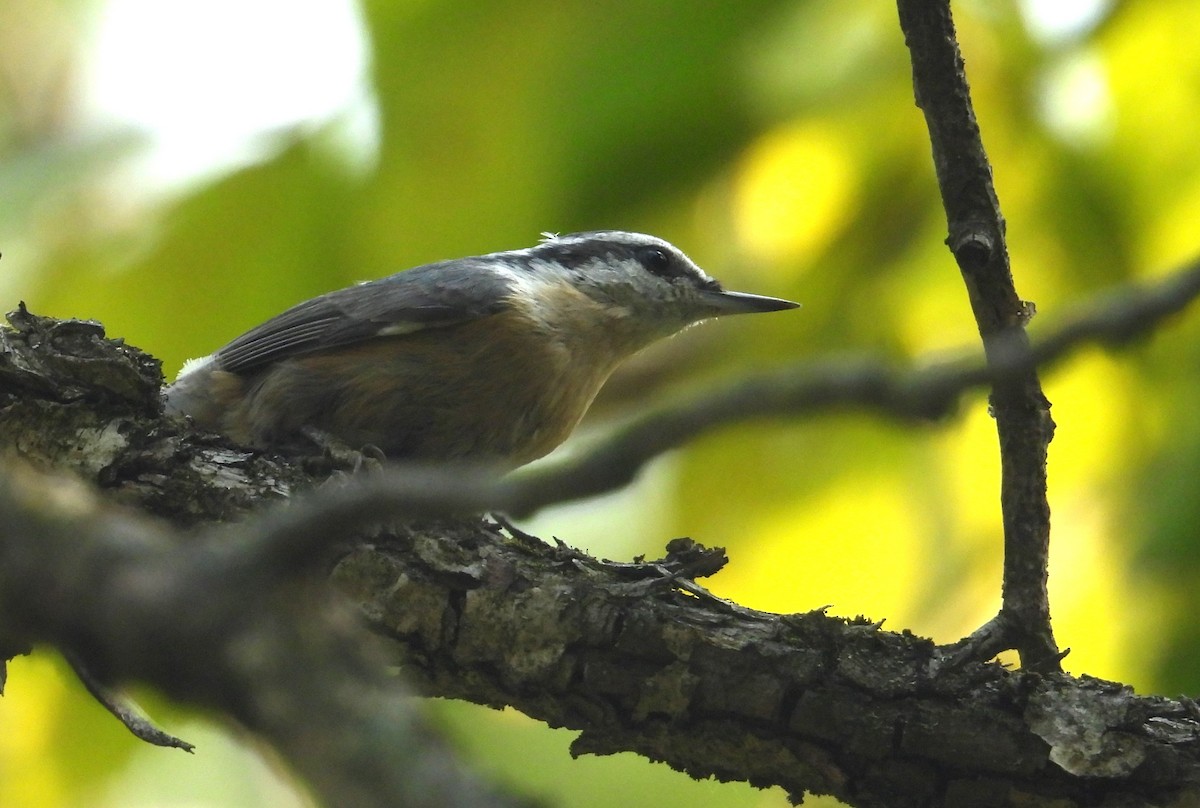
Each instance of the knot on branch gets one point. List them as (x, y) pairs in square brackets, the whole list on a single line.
[(973, 250)]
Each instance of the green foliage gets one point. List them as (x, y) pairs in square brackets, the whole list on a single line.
[(779, 145)]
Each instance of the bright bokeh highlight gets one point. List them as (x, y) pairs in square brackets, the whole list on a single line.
[(795, 189), (306, 146)]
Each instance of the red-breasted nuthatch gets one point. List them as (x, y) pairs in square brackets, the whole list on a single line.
[(490, 359)]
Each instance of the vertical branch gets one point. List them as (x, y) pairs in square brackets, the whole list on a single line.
[(976, 238)]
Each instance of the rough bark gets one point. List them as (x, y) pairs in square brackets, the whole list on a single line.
[(634, 656)]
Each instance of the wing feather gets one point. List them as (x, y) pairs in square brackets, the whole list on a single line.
[(430, 296)]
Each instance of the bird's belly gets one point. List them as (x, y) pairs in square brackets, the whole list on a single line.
[(428, 405)]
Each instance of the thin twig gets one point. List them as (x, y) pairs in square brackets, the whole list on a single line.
[(977, 240), (123, 709)]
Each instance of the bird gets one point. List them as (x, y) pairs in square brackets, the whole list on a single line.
[(490, 359)]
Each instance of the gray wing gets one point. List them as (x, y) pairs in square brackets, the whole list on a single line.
[(428, 296)]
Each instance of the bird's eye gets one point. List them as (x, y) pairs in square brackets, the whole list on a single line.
[(655, 260)]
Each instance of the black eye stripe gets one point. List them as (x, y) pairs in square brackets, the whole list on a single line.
[(658, 261)]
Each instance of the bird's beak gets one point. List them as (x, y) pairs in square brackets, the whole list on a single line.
[(743, 303)]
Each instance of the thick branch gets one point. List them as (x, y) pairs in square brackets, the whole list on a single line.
[(651, 665), (136, 602), (805, 702), (976, 237)]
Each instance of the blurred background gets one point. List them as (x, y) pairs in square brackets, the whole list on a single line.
[(182, 170)]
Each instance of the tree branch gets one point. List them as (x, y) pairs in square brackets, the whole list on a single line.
[(976, 238), (652, 665), (137, 602)]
